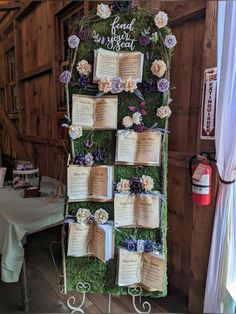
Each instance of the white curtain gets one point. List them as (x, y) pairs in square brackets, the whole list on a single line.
[(220, 293)]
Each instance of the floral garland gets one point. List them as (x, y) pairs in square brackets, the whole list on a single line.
[(142, 245), (84, 216), (136, 185)]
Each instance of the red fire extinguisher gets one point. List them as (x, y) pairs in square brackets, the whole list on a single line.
[(201, 178)]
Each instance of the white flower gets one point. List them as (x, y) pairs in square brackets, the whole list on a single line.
[(170, 41), (123, 186), (105, 85), (83, 67), (137, 118), (101, 216), (147, 183), (73, 41), (103, 11), (82, 215), (130, 85), (127, 122), (158, 68), (75, 131), (161, 19), (163, 112)]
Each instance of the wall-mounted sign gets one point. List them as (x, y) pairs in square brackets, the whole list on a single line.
[(208, 114)]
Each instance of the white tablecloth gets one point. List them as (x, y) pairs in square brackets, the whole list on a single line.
[(19, 216)]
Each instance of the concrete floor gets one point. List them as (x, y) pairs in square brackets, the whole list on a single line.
[(44, 285)]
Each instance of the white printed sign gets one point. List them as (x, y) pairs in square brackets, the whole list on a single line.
[(209, 104)]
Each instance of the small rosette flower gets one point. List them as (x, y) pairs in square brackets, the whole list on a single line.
[(88, 159), (170, 41), (127, 122), (130, 85), (163, 85), (158, 68), (101, 216), (75, 131), (130, 244), (82, 215), (161, 19), (163, 112), (104, 85), (83, 67), (147, 183), (123, 186), (65, 77), (73, 41), (103, 11), (116, 85)]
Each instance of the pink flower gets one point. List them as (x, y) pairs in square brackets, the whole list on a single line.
[(130, 85), (105, 85), (84, 68)]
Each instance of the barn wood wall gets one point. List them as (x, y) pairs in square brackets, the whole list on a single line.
[(34, 131)]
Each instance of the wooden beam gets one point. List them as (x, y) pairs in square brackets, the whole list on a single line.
[(10, 6), (42, 140), (41, 70), (203, 216)]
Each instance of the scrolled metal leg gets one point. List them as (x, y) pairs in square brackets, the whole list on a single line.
[(82, 288), (137, 292)]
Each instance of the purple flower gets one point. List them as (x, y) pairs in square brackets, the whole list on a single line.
[(158, 247), (148, 246), (89, 159), (91, 219), (84, 34), (138, 127), (122, 6), (135, 185), (149, 55), (99, 155), (150, 85), (80, 159), (88, 143), (163, 85), (69, 219), (130, 244), (170, 41), (116, 85), (65, 77), (73, 41), (83, 81), (103, 40), (144, 40)]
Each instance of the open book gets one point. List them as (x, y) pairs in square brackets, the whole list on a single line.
[(89, 183), (133, 148), (95, 113), (145, 269), (110, 64), (91, 240), (137, 210)]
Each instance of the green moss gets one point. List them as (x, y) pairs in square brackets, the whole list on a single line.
[(102, 276)]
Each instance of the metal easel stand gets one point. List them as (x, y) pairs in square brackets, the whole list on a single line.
[(137, 292), (82, 288)]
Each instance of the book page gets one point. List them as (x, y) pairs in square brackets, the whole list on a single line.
[(131, 65), (153, 271), (98, 186), (124, 209), (83, 110), (79, 240), (78, 182), (106, 113), (147, 210), (105, 64), (126, 146), (99, 243), (129, 268), (149, 148)]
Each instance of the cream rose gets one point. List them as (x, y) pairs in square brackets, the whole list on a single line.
[(103, 11), (161, 19), (127, 122), (82, 215), (123, 186), (84, 68), (75, 131), (104, 85), (147, 183), (130, 85), (163, 112), (158, 68), (101, 216), (137, 118)]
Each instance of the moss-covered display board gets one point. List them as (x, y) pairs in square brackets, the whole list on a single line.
[(122, 26)]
